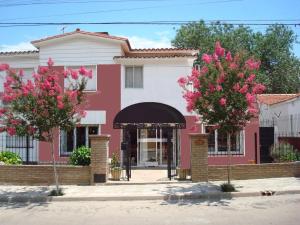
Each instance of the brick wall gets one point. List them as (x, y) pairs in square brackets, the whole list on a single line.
[(43, 175), (255, 171)]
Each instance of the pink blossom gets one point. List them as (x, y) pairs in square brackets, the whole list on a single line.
[(11, 131), (211, 88), (241, 75), (215, 57), (258, 89), (219, 50), (203, 70), (228, 57), (251, 78), (59, 98), (207, 58), (222, 102), (50, 62), (74, 74), (182, 81), (251, 64), (221, 79), (21, 72), (82, 71), (60, 105), (233, 66), (250, 98), (219, 88), (66, 73), (43, 70), (4, 67), (90, 74), (244, 89), (236, 87), (2, 111)]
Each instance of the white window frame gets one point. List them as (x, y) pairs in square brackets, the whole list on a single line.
[(134, 66), (217, 152), (65, 153), (77, 67)]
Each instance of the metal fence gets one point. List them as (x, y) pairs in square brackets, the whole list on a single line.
[(25, 147), (280, 139)]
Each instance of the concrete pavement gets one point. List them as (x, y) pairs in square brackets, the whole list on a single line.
[(160, 191)]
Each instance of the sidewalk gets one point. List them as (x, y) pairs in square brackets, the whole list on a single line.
[(168, 191)]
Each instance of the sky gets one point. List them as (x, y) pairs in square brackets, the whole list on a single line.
[(14, 38)]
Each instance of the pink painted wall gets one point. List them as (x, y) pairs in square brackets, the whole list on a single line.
[(109, 99), (185, 141), (249, 154)]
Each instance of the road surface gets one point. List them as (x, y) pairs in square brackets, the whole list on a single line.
[(281, 210)]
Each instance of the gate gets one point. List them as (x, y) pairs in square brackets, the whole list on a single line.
[(25, 147), (266, 139)]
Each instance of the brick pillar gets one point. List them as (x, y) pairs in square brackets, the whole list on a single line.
[(199, 157), (99, 157)]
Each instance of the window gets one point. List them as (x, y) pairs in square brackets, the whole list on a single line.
[(134, 77), (70, 140), (217, 142), (91, 83)]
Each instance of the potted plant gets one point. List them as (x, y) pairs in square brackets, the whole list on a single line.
[(182, 173), (115, 168)]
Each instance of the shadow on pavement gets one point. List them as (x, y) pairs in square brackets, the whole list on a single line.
[(204, 193), (23, 197)]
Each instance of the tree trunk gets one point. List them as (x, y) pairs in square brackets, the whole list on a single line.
[(54, 163), (228, 157)]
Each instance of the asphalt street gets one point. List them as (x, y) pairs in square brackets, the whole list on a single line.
[(244, 210)]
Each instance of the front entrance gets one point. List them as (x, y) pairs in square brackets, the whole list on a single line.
[(150, 136), (149, 147)]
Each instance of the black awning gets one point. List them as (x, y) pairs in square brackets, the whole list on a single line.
[(150, 113)]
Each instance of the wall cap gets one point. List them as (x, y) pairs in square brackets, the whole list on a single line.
[(100, 137), (198, 135)]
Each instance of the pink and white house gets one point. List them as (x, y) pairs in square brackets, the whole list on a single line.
[(134, 86)]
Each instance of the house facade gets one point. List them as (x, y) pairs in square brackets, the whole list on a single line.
[(136, 85)]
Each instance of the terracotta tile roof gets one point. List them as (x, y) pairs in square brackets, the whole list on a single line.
[(78, 31), (19, 52), (162, 49), (152, 56), (271, 99)]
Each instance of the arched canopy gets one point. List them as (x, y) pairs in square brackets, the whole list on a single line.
[(149, 114)]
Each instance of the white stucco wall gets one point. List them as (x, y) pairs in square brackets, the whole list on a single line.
[(286, 115), (80, 51), (159, 84)]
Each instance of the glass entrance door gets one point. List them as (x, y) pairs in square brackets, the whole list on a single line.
[(152, 147), (148, 148)]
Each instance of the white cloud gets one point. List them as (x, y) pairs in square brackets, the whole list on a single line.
[(163, 41), (22, 46)]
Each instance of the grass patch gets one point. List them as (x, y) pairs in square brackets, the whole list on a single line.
[(226, 187), (54, 192)]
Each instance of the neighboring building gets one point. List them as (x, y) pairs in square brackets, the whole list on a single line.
[(279, 121), (124, 77)]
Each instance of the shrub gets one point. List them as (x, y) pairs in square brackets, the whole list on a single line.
[(10, 158), (115, 163), (284, 152), (54, 192), (226, 187), (81, 156)]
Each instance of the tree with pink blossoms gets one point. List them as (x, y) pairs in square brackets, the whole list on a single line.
[(40, 106), (223, 92)]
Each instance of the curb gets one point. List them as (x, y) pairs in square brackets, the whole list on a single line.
[(170, 197)]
